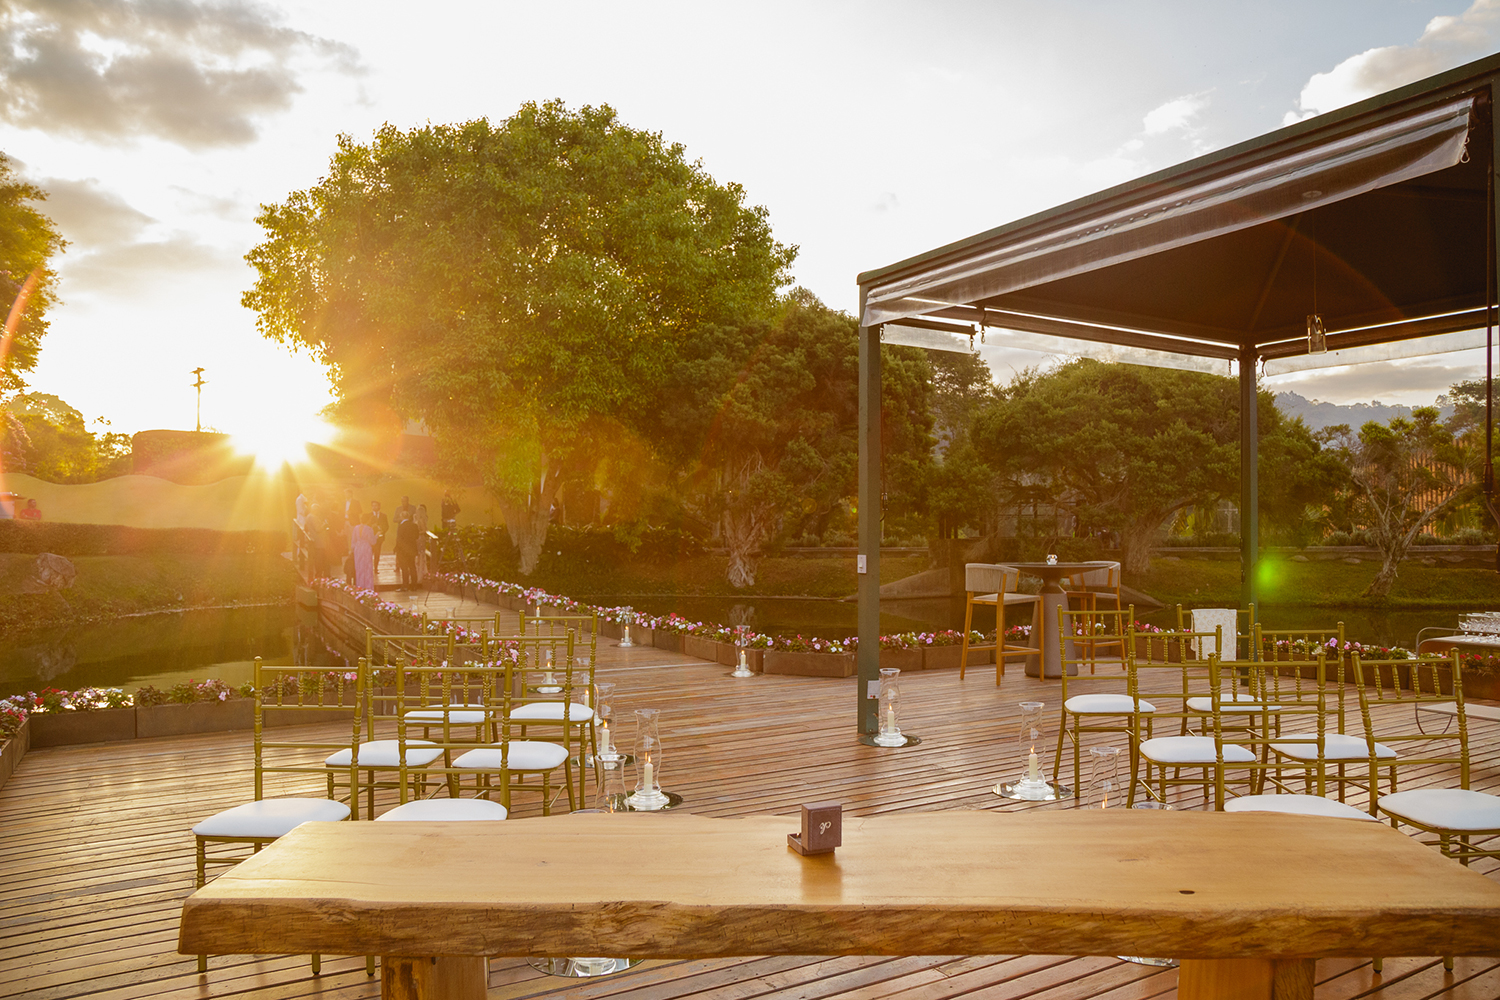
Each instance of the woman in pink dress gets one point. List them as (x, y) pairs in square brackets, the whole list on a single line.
[(362, 546)]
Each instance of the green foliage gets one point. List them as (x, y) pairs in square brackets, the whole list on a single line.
[(761, 420), (28, 241), (515, 285), (68, 539), (58, 446)]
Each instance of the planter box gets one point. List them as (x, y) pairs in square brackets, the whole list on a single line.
[(809, 664), (902, 659), (489, 595), (947, 657), (14, 749), (198, 717), (279, 718), (703, 649), (104, 725), (724, 653), (1485, 687), (610, 630), (641, 636), (669, 641)]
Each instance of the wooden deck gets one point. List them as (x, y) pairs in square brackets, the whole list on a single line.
[(97, 856)]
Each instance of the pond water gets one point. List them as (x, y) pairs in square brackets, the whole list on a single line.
[(160, 650)]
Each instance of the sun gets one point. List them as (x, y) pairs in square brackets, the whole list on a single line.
[(277, 439)]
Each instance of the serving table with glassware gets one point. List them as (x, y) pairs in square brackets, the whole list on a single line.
[(1247, 901)]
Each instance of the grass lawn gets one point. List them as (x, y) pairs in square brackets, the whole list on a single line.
[(1329, 584), (110, 586)]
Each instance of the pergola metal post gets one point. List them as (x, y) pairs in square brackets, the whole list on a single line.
[(868, 567), (1249, 478)]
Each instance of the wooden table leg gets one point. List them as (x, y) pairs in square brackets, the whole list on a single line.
[(1246, 979), (432, 978)]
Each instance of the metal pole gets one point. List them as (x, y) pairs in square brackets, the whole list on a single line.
[(868, 561), (1249, 479)]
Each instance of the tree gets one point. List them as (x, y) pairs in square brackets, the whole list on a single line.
[(1405, 474), (1119, 446), (28, 241), (520, 287), (762, 419), (56, 445)]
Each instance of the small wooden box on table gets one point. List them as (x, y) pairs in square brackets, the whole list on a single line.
[(1243, 899)]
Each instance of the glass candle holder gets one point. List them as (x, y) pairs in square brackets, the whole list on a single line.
[(604, 696), (549, 683), (648, 761), (610, 793), (625, 622), (1104, 790), (741, 660), (1031, 743), (888, 732)]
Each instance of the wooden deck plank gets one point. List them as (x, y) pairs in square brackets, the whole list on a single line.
[(98, 856)]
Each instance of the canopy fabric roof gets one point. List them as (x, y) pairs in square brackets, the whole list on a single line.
[(1373, 217)]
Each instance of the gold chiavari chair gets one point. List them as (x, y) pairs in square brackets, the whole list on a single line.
[(519, 670), (292, 694), (551, 708), (1096, 713), (995, 585), (1164, 674), (1457, 816)]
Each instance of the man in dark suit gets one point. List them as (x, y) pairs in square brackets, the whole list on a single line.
[(382, 526), (406, 551)]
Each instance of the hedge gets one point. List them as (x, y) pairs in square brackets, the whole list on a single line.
[(119, 540)]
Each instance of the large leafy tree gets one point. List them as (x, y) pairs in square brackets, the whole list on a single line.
[(1405, 474), (519, 286), (28, 242), (56, 444), (761, 419), (1121, 447)]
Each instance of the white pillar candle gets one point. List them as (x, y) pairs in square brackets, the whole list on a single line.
[(743, 664), (604, 738), (647, 783), (1033, 769), (890, 720)]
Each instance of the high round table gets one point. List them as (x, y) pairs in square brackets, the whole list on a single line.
[(1054, 599)]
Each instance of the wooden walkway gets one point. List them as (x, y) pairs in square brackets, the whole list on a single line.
[(97, 856)]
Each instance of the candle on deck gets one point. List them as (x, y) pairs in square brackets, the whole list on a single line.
[(604, 738), (890, 720), (647, 783), (1033, 768)]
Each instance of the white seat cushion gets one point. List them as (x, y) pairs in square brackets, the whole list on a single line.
[(271, 818), (383, 753), (1240, 699), (1191, 750), (458, 715), (1445, 808), (551, 711), (1300, 805), (1104, 704), (525, 755), (444, 811), (1336, 746)]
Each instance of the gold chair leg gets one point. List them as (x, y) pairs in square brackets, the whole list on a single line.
[(317, 964), (370, 965), (963, 656)]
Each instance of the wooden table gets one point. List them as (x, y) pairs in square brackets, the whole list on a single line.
[(1244, 899), (1054, 599)]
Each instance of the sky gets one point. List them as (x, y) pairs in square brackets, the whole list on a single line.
[(870, 131)]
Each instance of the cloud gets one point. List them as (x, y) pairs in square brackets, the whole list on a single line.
[(1177, 113), (1446, 42), (1412, 382), (90, 216), (132, 268), (196, 74)]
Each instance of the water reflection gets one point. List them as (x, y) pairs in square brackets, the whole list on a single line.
[(160, 650)]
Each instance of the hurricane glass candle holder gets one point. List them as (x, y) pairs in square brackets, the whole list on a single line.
[(1031, 743), (625, 621), (648, 793), (604, 694), (741, 660), (888, 731), (1104, 779)]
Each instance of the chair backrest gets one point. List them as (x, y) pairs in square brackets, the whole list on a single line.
[(548, 668), (1279, 713), (991, 578), (286, 697), (1387, 686), (1162, 669), (1090, 625), (1106, 577), (1213, 620), (1304, 646), (585, 629)]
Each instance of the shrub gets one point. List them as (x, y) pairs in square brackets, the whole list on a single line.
[(66, 539)]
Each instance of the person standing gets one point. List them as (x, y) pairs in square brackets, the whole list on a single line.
[(31, 512), (317, 558), (381, 522), (361, 547), (406, 551), (405, 512), (351, 507), (420, 520), (450, 511)]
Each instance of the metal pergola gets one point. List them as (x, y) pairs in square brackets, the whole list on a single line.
[(1378, 218)]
